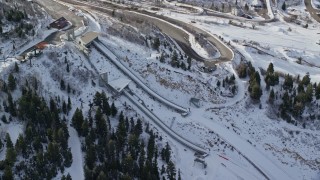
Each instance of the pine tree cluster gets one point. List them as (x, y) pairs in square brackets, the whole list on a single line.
[(42, 150), (118, 152)]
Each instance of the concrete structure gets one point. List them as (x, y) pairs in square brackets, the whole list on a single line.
[(209, 66), (204, 164), (70, 35), (118, 85), (103, 79), (86, 39), (195, 102), (83, 42), (59, 23)]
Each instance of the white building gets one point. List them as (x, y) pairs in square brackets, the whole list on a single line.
[(84, 41)]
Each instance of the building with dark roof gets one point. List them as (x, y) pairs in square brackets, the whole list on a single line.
[(59, 23)]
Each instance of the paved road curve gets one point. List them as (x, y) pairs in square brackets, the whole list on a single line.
[(313, 12)]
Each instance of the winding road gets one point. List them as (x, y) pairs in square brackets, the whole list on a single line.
[(315, 13), (176, 29)]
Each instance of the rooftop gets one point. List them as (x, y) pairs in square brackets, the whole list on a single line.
[(59, 23), (89, 37), (119, 84)]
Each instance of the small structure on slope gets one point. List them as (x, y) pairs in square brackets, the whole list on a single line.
[(195, 102), (103, 79), (86, 39), (83, 42), (203, 162), (70, 34), (209, 66), (119, 84)]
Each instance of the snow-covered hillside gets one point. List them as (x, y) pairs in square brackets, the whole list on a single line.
[(139, 133)]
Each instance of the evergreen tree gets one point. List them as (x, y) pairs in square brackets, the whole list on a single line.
[(151, 147), (286, 102), (156, 44), (242, 70), (300, 88), (271, 78), (9, 143), (114, 110), (174, 59), (218, 83), (257, 77), (256, 92), (246, 7), (16, 67), (4, 87), (101, 124), (62, 85), (69, 104), (1, 144), (284, 6), (77, 120), (179, 175), (171, 171), (90, 157), (68, 88), (309, 93), (142, 158), (163, 169), (85, 128), (155, 170), (189, 62), (64, 107), (305, 80), (11, 105), (102, 176), (68, 177), (7, 175), (270, 69), (68, 69), (271, 96), (97, 99), (11, 156), (162, 58), (68, 158), (21, 145), (11, 82), (288, 82), (317, 91), (183, 66), (298, 109), (4, 119), (138, 128), (121, 131), (127, 164)]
